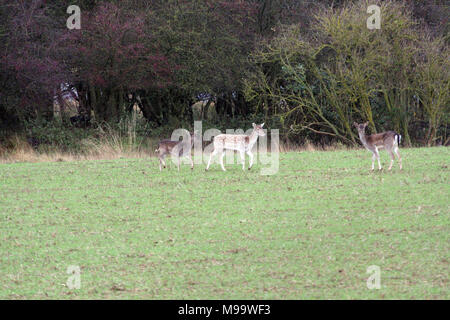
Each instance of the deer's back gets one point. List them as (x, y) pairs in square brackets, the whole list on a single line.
[(380, 139), (231, 139)]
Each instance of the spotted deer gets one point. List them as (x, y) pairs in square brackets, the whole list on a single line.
[(177, 149), (239, 142), (389, 140)]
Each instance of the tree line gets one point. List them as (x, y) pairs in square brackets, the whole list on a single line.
[(309, 68)]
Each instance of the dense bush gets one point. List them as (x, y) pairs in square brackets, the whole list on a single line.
[(308, 68), (319, 81)]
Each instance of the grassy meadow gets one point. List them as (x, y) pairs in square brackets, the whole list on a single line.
[(308, 232)]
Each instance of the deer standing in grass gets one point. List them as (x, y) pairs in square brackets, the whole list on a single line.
[(238, 142), (389, 140), (177, 149)]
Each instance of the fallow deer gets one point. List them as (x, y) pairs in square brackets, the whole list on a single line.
[(390, 140), (238, 142), (178, 149)]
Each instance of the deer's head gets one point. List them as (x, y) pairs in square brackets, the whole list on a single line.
[(361, 126), (259, 129)]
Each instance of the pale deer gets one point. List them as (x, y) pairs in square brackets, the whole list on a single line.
[(390, 140), (177, 149), (238, 142)]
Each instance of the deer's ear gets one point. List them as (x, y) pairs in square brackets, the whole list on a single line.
[(355, 124), (366, 123), (262, 124), (253, 124)]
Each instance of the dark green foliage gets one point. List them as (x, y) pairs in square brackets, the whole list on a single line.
[(318, 81), (306, 68)]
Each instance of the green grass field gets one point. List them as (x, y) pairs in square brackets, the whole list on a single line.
[(308, 232)]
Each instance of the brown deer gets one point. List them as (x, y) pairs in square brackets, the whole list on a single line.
[(390, 140), (238, 142), (177, 149)]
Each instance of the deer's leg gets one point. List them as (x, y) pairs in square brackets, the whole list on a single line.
[(222, 155), (378, 158), (210, 157), (189, 156), (192, 162), (161, 161), (160, 164), (398, 156), (180, 154), (242, 153), (250, 155), (392, 159), (209, 161), (373, 160)]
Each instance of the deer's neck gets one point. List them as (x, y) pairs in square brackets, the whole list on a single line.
[(252, 138), (363, 138)]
